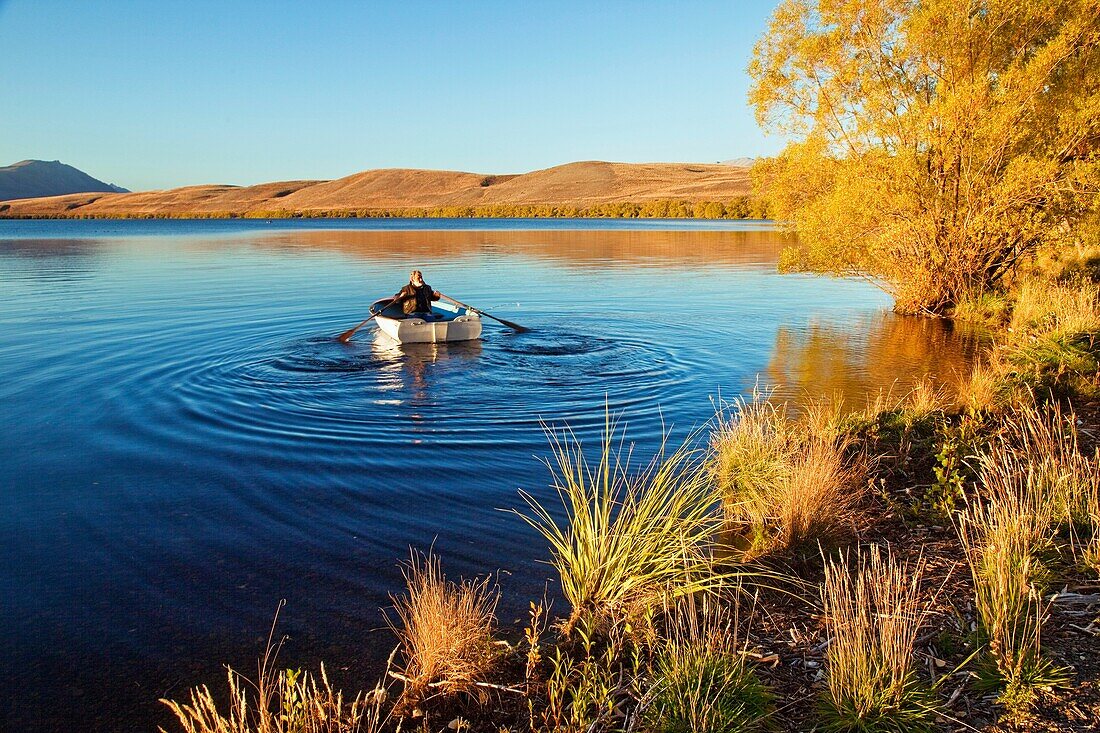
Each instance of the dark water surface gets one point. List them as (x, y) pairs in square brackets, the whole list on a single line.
[(185, 443)]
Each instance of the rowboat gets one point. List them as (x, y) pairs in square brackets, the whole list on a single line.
[(446, 322)]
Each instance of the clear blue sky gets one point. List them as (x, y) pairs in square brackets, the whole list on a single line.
[(160, 93)]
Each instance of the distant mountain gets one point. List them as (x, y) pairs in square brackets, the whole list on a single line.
[(35, 178), (740, 162)]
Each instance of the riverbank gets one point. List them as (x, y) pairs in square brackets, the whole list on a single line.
[(927, 561)]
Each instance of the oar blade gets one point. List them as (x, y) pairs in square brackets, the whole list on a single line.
[(514, 326), (346, 335)]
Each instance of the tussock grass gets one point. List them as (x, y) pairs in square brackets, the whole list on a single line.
[(1090, 555), (1056, 309), (701, 681), (988, 308), (785, 485), (1055, 328), (629, 541), (445, 629), (873, 611), (985, 389), (925, 399), (1004, 534), (1042, 440)]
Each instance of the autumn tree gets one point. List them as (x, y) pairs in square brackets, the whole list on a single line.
[(933, 143)]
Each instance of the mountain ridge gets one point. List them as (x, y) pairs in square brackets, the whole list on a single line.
[(38, 178)]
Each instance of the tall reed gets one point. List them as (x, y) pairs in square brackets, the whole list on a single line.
[(873, 611)]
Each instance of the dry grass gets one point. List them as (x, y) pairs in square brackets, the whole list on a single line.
[(289, 702), (1042, 441), (785, 485), (1090, 555), (1056, 309), (925, 399), (629, 540), (985, 389), (445, 631), (873, 612)]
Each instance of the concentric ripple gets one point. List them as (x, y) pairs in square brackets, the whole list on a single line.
[(186, 443)]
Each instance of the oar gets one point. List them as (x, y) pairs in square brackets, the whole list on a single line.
[(514, 326), (346, 335)]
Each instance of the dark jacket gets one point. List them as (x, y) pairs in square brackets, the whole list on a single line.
[(416, 300)]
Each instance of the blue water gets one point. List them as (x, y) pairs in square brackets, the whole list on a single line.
[(185, 443)]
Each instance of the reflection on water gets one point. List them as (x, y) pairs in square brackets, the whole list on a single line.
[(186, 443), (614, 248), (411, 365), (878, 351)]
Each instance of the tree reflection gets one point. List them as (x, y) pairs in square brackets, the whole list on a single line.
[(881, 351)]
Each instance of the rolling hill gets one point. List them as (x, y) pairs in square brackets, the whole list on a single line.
[(575, 184)]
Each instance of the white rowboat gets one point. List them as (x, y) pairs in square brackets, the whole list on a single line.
[(445, 323)]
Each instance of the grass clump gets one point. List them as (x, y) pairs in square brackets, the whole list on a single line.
[(984, 390), (287, 702), (784, 486), (701, 681), (1004, 534), (628, 541), (873, 612), (445, 629)]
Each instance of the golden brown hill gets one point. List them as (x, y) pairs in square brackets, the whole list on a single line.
[(574, 184)]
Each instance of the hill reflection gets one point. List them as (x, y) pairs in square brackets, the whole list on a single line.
[(642, 248)]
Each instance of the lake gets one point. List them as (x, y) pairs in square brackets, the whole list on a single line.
[(185, 443)]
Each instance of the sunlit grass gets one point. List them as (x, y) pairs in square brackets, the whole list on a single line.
[(445, 629), (629, 541), (785, 485), (281, 701), (873, 611), (701, 681), (1004, 534)]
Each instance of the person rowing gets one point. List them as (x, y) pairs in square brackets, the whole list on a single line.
[(416, 298)]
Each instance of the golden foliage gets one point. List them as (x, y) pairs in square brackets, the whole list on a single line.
[(935, 143)]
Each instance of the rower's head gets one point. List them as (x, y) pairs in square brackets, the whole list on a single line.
[(416, 278)]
